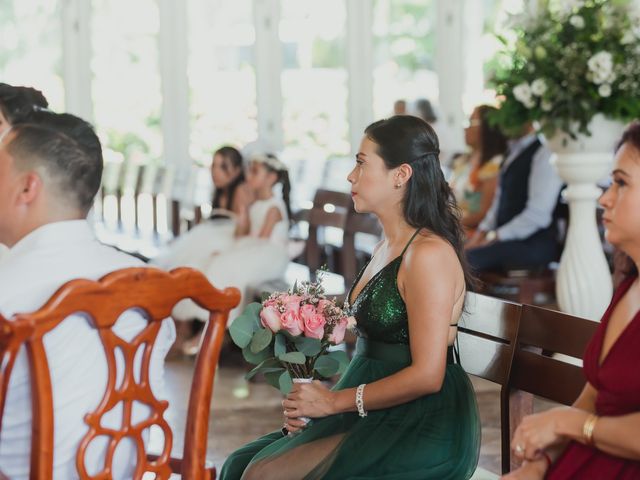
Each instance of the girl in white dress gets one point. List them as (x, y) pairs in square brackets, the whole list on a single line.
[(262, 254)]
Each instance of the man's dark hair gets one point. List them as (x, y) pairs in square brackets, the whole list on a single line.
[(16, 103), (73, 127), (73, 171)]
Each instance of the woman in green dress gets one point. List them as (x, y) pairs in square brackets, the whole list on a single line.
[(404, 409)]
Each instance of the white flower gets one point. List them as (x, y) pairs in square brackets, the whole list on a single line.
[(522, 92), (604, 90), (546, 105), (538, 87), (577, 21), (628, 38), (567, 7), (601, 65)]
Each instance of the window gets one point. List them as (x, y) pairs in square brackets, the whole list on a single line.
[(126, 86), (31, 54), (222, 77), (404, 54)]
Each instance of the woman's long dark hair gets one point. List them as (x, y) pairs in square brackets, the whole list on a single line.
[(623, 266), (492, 141), (234, 157), (17, 103), (428, 201), (283, 178)]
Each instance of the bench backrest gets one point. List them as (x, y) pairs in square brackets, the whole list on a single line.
[(487, 335)]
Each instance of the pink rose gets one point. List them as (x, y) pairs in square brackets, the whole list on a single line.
[(291, 321), (314, 326), (270, 318), (287, 299), (337, 335), (270, 302), (306, 312)]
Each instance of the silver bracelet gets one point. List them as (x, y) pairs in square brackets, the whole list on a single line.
[(359, 401)]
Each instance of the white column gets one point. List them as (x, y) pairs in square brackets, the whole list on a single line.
[(268, 64), (76, 57), (360, 68), (174, 51), (450, 67)]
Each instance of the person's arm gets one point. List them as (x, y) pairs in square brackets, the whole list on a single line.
[(430, 282), (488, 222), (272, 218), (487, 190), (242, 200), (544, 187)]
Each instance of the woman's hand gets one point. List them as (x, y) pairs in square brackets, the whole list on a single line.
[(528, 471), (312, 400), (293, 425), (539, 431)]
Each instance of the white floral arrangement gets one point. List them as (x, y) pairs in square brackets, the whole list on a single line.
[(568, 61)]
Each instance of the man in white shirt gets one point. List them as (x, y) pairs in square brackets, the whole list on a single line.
[(517, 230), (48, 179)]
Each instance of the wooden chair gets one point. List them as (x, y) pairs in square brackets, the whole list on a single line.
[(544, 332), (352, 255), (487, 335), (156, 292)]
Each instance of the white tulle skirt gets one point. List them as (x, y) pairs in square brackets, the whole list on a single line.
[(226, 261)]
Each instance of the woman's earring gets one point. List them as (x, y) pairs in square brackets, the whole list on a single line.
[(398, 185)]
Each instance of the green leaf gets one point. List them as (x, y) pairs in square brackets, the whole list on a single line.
[(261, 340), (273, 378), (265, 295), (243, 327), (280, 345), (255, 358), (293, 357), (270, 365), (309, 346), (326, 366), (342, 358), (285, 384)]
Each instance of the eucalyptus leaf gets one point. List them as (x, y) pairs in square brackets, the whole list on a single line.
[(293, 357), (255, 358), (309, 346), (285, 384), (271, 364), (342, 358), (273, 379), (244, 326), (280, 345), (326, 366), (261, 340)]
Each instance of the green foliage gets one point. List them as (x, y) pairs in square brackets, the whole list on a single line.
[(567, 63), (243, 327)]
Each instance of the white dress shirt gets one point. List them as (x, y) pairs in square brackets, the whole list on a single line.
[(29, 274), (544, 187)]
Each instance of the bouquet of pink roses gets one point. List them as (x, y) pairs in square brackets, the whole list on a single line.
[(290, 334)]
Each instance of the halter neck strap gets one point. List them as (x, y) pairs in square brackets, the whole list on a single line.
[(409, 242)]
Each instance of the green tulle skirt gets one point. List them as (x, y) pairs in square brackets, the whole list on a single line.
[(433, 437)]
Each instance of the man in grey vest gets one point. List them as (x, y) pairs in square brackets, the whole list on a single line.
[(518, 230)]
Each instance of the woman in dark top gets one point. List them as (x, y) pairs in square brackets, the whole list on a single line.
[(417, 418), (597, 438)]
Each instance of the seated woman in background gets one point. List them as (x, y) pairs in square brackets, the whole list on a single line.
[(229, 218), (475, 175), (259, 256), (598, 436)]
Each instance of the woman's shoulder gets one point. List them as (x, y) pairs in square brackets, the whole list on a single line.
[(491, 168), (428, 253)]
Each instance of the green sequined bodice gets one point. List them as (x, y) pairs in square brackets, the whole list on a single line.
[(379, 310)]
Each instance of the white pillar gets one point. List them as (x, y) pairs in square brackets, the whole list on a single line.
[(268, 64), (450, 67), (360, 68), (174, 51), (76, 57)]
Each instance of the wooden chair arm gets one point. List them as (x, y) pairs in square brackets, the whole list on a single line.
[(174, 463)]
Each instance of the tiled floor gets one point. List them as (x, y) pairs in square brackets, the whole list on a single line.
[(242, 411)]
